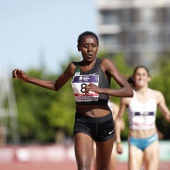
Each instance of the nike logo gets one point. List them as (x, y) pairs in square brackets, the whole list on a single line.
[(111, 132)]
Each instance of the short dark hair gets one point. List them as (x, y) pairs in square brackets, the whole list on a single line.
[(86, 33)]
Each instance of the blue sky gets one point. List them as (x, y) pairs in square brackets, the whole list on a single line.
[(35, 30)]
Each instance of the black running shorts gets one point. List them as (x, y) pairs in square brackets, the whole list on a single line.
[(100, 129)]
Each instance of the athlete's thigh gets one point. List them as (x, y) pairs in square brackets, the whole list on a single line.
[(151, 156), (135, 158), (83, 149), (103, 153)]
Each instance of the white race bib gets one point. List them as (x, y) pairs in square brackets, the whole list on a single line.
[(79, 83)]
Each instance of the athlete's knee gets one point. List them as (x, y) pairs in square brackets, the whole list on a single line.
[(84, 166)]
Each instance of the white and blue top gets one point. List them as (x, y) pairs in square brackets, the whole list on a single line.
[(142, 115)]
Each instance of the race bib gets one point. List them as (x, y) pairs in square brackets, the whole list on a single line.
[(79, 83)]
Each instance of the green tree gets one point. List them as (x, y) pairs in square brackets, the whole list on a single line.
[(161, 81), (33, 106), (42, 112)]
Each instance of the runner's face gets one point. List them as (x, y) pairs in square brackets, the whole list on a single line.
[(88, 48), (141, 77)]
